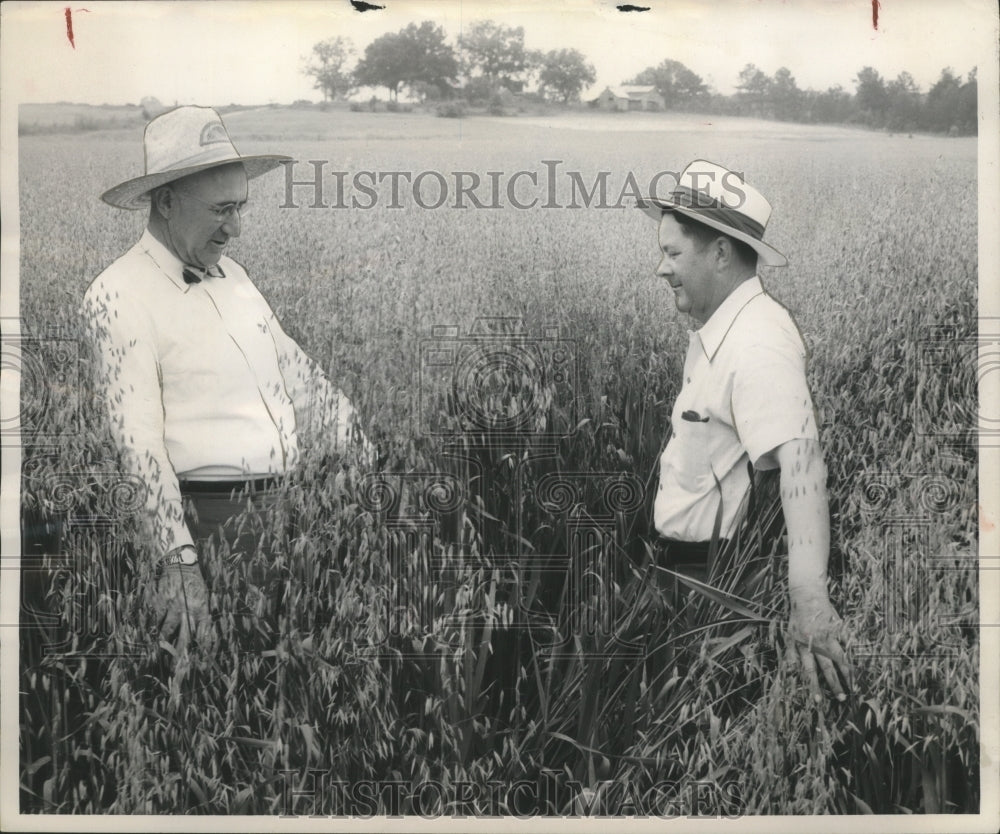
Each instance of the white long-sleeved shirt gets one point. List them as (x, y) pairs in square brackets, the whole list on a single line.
[(201, 381)]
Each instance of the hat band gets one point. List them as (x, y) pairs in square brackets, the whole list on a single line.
[(711, 208), (203, 157)]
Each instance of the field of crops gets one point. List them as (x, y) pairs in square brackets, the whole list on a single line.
[(498, 666)]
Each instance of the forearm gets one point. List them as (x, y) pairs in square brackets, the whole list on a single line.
[(322, 411), (807, 516), (813, 623)]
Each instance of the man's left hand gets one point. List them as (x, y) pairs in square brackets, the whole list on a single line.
[(181, 604), (816, 629)]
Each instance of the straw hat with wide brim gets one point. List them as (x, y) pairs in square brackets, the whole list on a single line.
[(180, 142), (722, 200)]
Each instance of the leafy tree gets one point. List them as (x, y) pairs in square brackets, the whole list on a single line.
[(753, 89), (903, 103), (565, 72), (675, 82), (425, 91), (384, 64), (968, 105), (327, 67), (785, 96), (496, 51), (414, 54), (479, 89), (689, 85), (943, 101), (831, 106), (434, 60), (872, 98)]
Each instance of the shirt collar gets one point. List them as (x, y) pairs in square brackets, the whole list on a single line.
[(169, 264), (713, 332)]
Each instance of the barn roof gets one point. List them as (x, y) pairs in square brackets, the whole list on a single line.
[(633, 90), (630, 91)]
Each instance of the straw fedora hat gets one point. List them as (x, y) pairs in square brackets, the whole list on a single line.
[(722, 200), (180, 142)]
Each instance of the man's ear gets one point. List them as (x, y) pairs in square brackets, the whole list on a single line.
[(163, 199), (722, 248)]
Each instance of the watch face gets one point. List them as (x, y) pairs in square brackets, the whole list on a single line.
[(184, 556)]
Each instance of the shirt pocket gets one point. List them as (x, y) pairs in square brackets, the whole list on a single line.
[(689, 455)]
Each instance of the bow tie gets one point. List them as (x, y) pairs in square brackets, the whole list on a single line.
[(194, 275)]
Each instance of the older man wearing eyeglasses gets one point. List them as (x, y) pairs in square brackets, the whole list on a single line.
[(207, 394)]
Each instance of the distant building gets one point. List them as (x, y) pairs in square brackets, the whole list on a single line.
[(630, 98)]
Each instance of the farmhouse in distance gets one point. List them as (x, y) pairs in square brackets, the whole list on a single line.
[(630, 97)]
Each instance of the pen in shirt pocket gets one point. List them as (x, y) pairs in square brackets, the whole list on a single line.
[(693, 417)]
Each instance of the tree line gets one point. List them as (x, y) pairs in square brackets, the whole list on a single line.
[(492, 59), (949, 106)]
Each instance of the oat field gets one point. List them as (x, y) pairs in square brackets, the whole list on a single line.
[(436, 629)]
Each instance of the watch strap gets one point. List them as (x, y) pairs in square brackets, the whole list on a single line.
[(183, 555)]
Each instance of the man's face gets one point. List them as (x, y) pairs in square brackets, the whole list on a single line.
[(689, 269), (197, 234)]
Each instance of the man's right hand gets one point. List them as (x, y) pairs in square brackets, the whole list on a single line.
[(181, 601), (816, 630)]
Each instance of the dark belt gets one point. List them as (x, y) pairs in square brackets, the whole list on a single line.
[(226, 487), (674, 552)]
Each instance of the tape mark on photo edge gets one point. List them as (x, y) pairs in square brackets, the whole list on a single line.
[(875, 7), (68, 12)]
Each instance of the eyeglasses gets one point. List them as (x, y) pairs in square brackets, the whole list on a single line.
[(223, 213)]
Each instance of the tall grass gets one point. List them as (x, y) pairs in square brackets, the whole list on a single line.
[(516, 628)]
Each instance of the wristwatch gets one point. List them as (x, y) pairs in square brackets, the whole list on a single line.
[(184, 555)]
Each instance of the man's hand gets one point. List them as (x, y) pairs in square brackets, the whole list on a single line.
[(181, 600), (815, 627)]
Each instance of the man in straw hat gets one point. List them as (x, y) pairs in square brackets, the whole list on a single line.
[(744, 404), (207, 393)]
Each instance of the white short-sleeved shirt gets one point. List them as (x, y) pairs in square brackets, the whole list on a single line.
[(744, 394)]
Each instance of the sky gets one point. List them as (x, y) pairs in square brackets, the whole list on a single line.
[(253, 52)]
